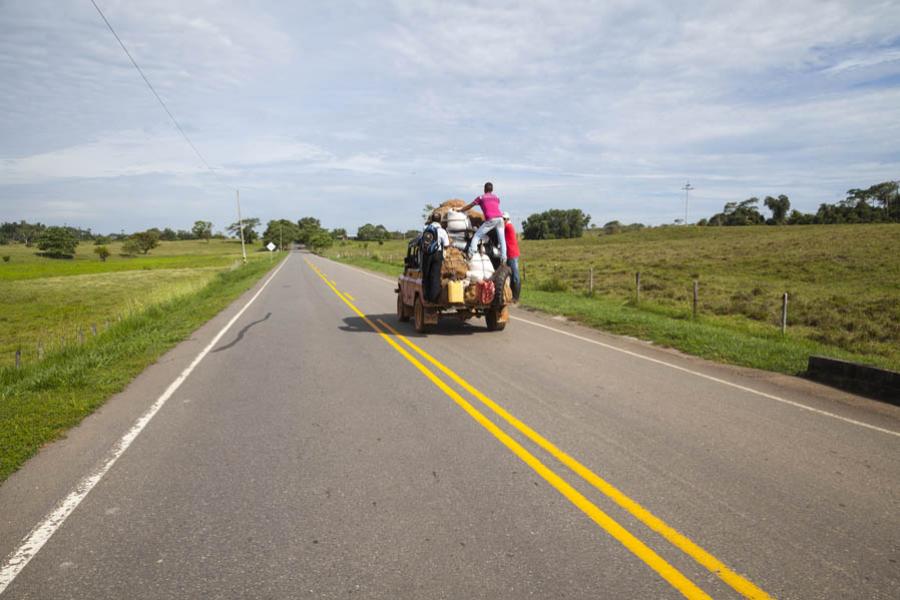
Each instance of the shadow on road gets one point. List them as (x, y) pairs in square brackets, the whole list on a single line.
[(448, 326), (241, 333)]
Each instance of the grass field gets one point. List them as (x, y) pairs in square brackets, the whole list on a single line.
[(843, 283), (47, 303), (149, 303)]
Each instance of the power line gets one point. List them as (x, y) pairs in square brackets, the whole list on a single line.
[(152, 89)]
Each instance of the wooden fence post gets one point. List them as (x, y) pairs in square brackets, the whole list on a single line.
[(591, 282), (18, 358), (40, 349), (637, 287), (696, 293), (94, 326), (784, 302), (80, 335)]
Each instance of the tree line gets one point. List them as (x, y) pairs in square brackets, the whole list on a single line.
[(879, 203)]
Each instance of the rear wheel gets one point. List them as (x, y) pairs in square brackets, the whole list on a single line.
[(402, 310), (501, 280), (419, 314), (492, 316)]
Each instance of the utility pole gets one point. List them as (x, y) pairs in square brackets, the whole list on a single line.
[(241, 226), (687, 187)]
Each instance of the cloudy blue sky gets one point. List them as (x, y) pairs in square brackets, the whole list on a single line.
[(361, 112)]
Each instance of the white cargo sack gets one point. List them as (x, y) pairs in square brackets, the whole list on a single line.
[(457, 222), (480, 268)]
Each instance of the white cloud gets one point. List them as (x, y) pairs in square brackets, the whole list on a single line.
[(367, 111)]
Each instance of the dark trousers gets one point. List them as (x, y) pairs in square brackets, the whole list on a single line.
[(516, 283), (431, 275)]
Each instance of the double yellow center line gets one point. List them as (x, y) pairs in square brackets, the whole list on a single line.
[(669, 573)]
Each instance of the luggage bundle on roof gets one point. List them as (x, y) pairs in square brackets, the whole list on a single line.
[(475, 217)]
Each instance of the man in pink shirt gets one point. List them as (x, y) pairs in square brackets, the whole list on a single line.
[(493, 219)]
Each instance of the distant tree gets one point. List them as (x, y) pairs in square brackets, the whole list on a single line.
[(555, 223), (101, 240), (146, 240), (612, 227), (168, 235), (102, 252), (319, 240), (779, 207), (411, 234), (307, 227), (131, 247), (280, 232), (739, 213), (57, 242), (426, 213), (372, 233), (202, 230), (22, 231), (884, 195), (339, 233), (186, 235), (798, 218), (250, 225)]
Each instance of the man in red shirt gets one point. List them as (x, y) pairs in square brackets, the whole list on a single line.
[(512, 254), (493, 219)]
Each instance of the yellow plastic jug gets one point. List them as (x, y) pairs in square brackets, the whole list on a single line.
[(455, 292)]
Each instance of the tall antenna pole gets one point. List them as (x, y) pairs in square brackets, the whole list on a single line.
[(241, 226), (687, 187)]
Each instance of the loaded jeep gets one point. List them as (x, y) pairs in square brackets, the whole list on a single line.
[(412, 303)]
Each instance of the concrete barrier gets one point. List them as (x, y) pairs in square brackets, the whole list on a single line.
[(854, 377)]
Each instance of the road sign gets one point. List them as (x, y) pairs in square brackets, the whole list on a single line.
[(271, 246)]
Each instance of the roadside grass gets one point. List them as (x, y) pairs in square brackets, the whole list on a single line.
[(843, 284), (40, 401), (722, 340), (25, 263), (47, 304)]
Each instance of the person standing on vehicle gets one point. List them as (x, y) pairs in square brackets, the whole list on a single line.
[(512, 255), (493, 220), (433, 240)]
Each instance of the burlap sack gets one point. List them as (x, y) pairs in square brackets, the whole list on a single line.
[(455, 265), (475, 216), (470, 295)]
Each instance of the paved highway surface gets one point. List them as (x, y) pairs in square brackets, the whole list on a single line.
[(318, 448)]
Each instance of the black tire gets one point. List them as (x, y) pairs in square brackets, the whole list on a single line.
[(402, 310), (419, 314), (500, 277), (492, 317)]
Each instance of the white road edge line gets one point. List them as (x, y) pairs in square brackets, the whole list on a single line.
[(676, 367), (711, 378), (34, 541)]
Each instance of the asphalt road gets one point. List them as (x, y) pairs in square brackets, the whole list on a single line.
[(314, 452)]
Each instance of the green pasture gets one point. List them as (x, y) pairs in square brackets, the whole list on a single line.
[(47, 304), (843, 285), (26, 263), (41, 400)]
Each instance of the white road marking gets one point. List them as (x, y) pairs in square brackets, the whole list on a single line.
[(32, 543), (711, 378), (678, 368)]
